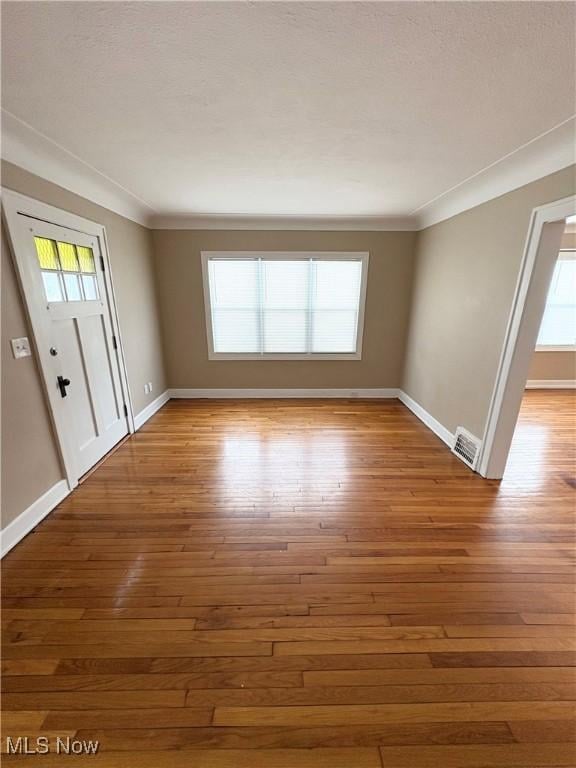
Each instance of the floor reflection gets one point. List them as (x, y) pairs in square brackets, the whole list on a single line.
[(280, 468)]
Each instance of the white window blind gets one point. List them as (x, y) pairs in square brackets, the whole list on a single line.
[(276, 306), (558, 327)]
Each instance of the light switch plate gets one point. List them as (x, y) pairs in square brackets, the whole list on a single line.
[(21, 347)]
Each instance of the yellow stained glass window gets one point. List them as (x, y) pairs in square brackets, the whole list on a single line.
[(60, 265), (47, 253), (68, 260), (86, 259)]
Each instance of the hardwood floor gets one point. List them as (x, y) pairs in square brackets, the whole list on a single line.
[(310, 584)]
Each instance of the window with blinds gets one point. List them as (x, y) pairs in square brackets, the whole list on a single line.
[(284, 305), (558, 327)]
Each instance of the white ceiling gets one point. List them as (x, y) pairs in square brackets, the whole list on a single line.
[(290, 109)]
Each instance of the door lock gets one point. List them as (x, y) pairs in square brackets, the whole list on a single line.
[(62, 384)]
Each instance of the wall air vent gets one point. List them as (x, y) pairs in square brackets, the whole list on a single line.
[(466, 447)]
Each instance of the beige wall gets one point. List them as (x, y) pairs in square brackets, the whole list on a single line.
[(29, 457), (466, 273), (553, 365), (179, 274)]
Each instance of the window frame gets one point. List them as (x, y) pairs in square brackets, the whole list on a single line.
[(362, 256), (568, 254)]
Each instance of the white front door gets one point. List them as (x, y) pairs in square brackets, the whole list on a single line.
[(67, 286)]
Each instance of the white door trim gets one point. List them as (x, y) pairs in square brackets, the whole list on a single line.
[(14, 204), (526, 313)]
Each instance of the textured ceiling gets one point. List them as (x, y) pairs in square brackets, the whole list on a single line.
[(289, 108)]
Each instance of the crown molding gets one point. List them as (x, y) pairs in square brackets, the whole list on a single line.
[(548, 153), (29, 149), (312, 223)]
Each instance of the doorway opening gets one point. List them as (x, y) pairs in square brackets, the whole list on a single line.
[(543, 447), (542, 312)]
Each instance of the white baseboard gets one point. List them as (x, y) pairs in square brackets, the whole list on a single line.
[(551, 384), (439, 429), (281, 393), (150, 410), (17, 529)]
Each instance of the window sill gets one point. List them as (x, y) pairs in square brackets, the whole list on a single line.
[(285, 357), (557, 348)]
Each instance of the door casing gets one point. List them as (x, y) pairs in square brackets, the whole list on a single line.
[(539, 257), (15, 207)]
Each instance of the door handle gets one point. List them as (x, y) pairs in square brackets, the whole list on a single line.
[(62, 384)]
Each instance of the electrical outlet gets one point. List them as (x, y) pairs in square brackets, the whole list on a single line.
[(150, 386), (145, 389)]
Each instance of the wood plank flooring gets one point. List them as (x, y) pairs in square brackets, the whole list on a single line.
[(302, 584)]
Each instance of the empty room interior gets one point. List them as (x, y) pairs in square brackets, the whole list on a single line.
[(288, 319)]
